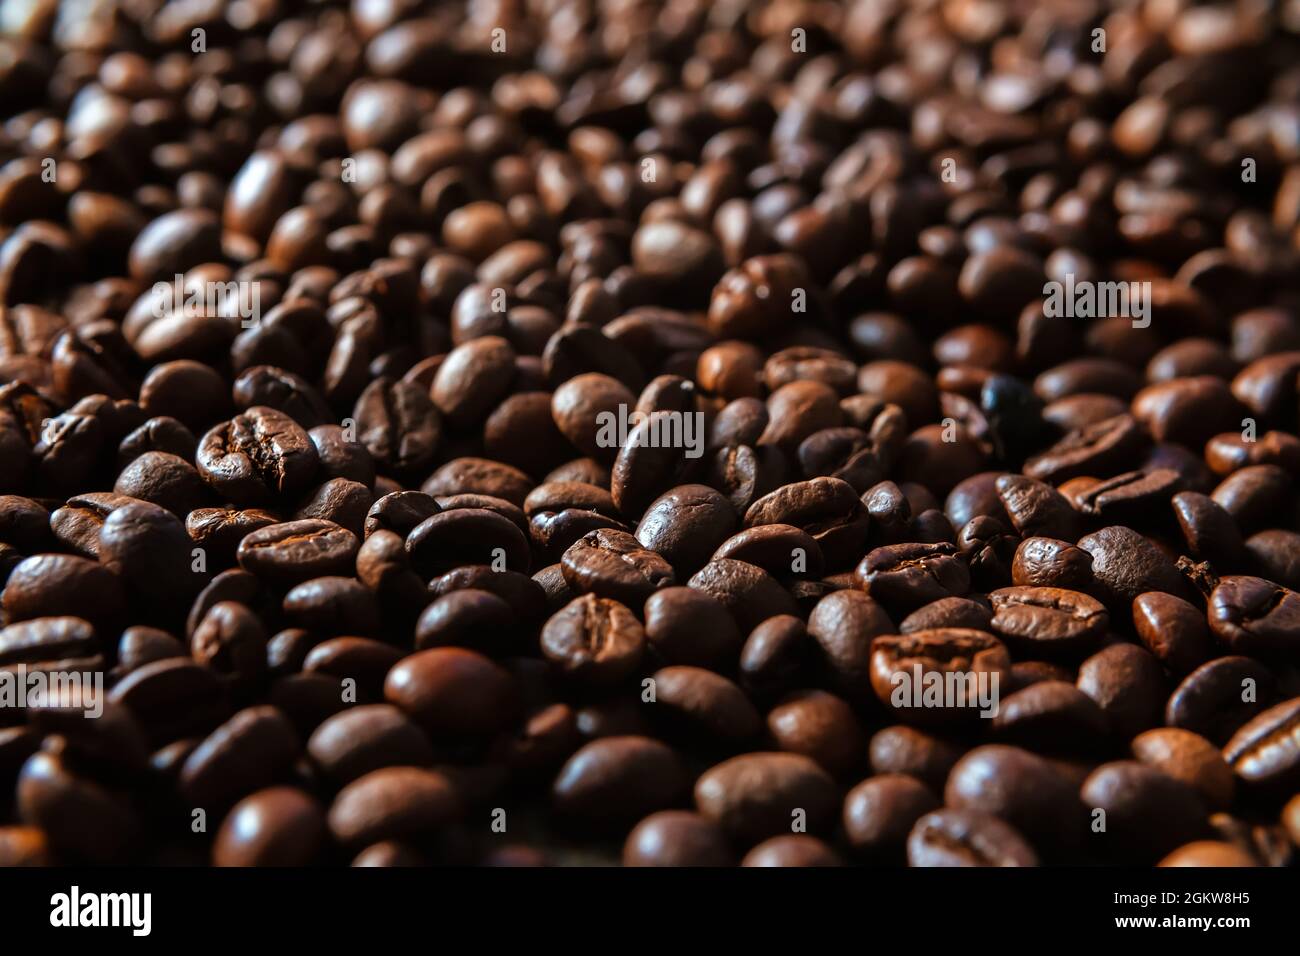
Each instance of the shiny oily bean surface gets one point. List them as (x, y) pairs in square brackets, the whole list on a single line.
[(760, 433)]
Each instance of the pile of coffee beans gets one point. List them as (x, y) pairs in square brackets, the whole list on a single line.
[(696, 432)]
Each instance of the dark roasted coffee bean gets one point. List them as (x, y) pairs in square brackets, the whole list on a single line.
[(1219, 696), (676, 838), (451, 692), (1190, 758), (361, 739), (1173, 630), (594, 640), (1147, 813), (1263, 753), (1128, 685), (880, 812), (942, 676), (398, 425), (248, 752), (257, 456), (1210, 531), (1126, 564), (1024, 790), (685, 524), (278, 826), (1256, 617), (826, 508), (818, 725), (702, 707), (756, 795), (617, 780), (1051, 716), (1048, 620), (747, 591), (613, 564), (466, 535), (295, 551), (966, 838), (393, 803), (910, 575), (688, 626), (400, 511)]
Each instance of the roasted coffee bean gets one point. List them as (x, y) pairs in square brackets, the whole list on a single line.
[(779, 549), (450, 692), (917, 753), (363, 661), (1126, 564), (148, 549), (774, 654), (81, 819), (1148, 813), (966, 838), (47, 585), (1219, 696), (1173, 630), (948, 612), (1051, 563), (880, 812), (818, 725), (1257, 617), (466, 535), (911, 575), (613, 564), (933, 677), (1263, 752), (1101, 448), (1211, 532), (466, 618), (617, 780), (393, 803), (754, 795), (165, 480), (826, 508), (594, 640), (703, 707), (400, 511), (1128, 685), (1254, 495), (1022, 789), (676, 838), (247, 753), (792, 849), (747, 591), (1190, 758), (278, 826), (1053, 716), (843, 625), (257, 456), (291, 552), (688, 626), (746, 474), (361, 739), (685, 524), (1048, 620), (231, 641)]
